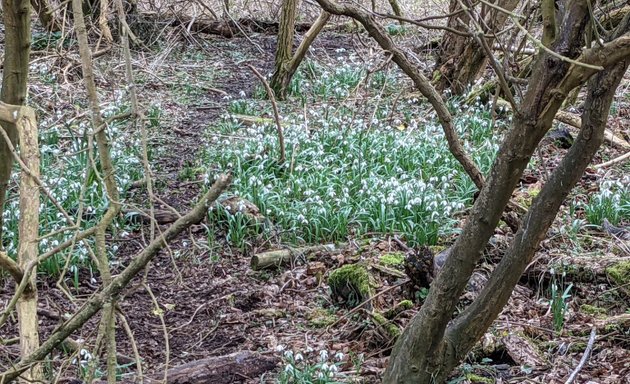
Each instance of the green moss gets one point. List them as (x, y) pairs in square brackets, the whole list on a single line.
[(392, 329), (479, 379), (619, 272), (351, 283), (577, 347), (526, 199), (321, 318), (400, 307), (592, 310), (394, 259)]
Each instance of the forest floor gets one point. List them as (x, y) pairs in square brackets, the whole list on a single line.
[(213, 303)]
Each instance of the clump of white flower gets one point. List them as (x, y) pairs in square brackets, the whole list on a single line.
[(306, 367), (350, 173)]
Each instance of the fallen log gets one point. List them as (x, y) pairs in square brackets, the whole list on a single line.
[(229, 28), (575, 121), (283, 256), (236, 367)]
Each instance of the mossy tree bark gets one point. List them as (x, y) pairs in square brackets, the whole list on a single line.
[(460, 59), (286, 30), (17, 47), (550, 27), (395, 7)]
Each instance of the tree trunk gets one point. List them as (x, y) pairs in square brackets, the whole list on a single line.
[(430, 348), (46, 15), (28, 249), (460, 60), (280, 80), (17, 48)]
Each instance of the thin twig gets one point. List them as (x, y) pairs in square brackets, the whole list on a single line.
[(616, 160), (478, 36), (160, 313), (274, 106), (585, 356), (134, 345)]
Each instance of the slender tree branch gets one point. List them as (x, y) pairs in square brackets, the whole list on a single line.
[(276, 115), (585, 356), (479, 38), (9, 265)]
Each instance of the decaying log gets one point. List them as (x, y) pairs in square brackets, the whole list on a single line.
[(575, 121), (236, 367), (229, 28), (233, 368), (282, 256)]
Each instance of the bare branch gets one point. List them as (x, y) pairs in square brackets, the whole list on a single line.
[(276, 115), (496, 66), (9, 265), (584, 359)]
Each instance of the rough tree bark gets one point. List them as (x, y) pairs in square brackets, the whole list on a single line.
[(28, 248), (17, 47), (286, 29), (460, 59)]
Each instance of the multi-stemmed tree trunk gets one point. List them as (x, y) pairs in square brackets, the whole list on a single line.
[(287, 63), (17, 48), (434, 343), (460, 60), (286, 29)]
